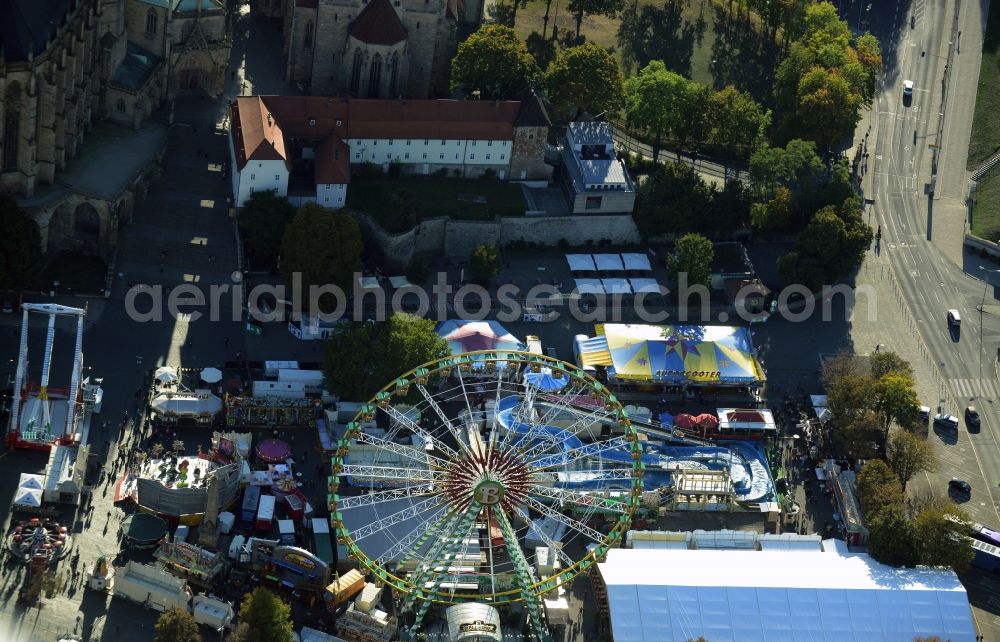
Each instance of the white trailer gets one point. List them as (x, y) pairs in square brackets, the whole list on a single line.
[(279, 389), (311, 379), (151, 586), (271, 368), (212, 612)]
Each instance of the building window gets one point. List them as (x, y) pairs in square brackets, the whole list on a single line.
[(253, 177), (151, 20), (487, 157), (594, 202), (335, 17), (473, 143), (489, 143), (531, 136), (251, 190), (359, 62), (472, 157), (329, 187), (407, 142), (375, 77), (327, 199), (390, 142), (277, 177), (456, 156), (121, 105), (426, 141), (406, 156), (275, 190), (425, 156), (340, 187), (11, 126), (444, 142), (394, 75), (501, 156), (307, 39), (374, 143), (357, 156), (442, 156)]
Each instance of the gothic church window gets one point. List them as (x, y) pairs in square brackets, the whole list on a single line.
[(375, 77), (394, 75), (121, 105), (307, 41), (359, 61), (151, 20), (11, 126)]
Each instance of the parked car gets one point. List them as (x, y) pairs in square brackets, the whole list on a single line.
[(948, 421), (972, 417), (907, 87), (960, 485), (954, 318), (924, 413)]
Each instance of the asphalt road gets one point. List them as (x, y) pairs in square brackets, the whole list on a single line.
[(922, 227)]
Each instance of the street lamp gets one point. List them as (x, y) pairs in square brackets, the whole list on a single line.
[(982, 304)]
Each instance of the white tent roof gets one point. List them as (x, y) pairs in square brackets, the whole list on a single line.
[(819, 401), (186, 404), (616, 286), (636, 262), (608, 263), (29, 481), (399, 282), (368, 282), (589, 286), (644, 285), (580, 262), (778, 595), (28, 497)]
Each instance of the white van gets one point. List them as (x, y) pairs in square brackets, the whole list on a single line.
[(236, 546), (954, 318)]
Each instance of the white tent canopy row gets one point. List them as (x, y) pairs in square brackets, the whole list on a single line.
[(616, 286), (636, 262), (580, 263), (628, 261)]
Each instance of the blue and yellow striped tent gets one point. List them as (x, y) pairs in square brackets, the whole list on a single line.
[(674, 353)]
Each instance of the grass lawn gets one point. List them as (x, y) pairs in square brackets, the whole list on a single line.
[(76, 272), (687, 35), (986, 210), (476, 199), (985, 125)]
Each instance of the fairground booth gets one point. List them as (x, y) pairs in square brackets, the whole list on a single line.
[(689, 360)]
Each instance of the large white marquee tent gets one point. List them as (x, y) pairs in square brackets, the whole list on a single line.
[(779, 596)]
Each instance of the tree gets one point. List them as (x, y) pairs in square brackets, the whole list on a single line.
[(940, 540), (21, 258), (737, 119), (541, 48), (831, 245), (484, 263), (695, 124), (361, 357), (266, 616), (324, 247), (579, 8), (878, 487), (895, 401), (796, 166), (828, 107), (177, 625), (584, 78), (262, 222), (693, 254), (907, 454), (654, 101), (673, 198), (892, 538), (887, 362), (492, 63), (776, 214)]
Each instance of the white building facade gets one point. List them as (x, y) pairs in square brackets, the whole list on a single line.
[(303, 147)]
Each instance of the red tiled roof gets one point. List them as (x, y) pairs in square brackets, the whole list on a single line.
[(262, 124), (333, 162), (378, 24), (441, 119)]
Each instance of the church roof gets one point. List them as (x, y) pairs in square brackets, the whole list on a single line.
[(532, 113), (28, 25), (378, 24)]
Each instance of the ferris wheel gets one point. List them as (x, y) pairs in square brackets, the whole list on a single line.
[(447, 483)]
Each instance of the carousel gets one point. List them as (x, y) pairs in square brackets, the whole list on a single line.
[(39, 538)]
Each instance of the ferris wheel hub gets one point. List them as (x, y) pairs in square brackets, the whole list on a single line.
[(489, 492)]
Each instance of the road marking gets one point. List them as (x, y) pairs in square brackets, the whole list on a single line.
[(973, 387)]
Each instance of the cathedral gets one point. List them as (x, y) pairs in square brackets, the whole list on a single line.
[(371, 48), (66, 65)]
